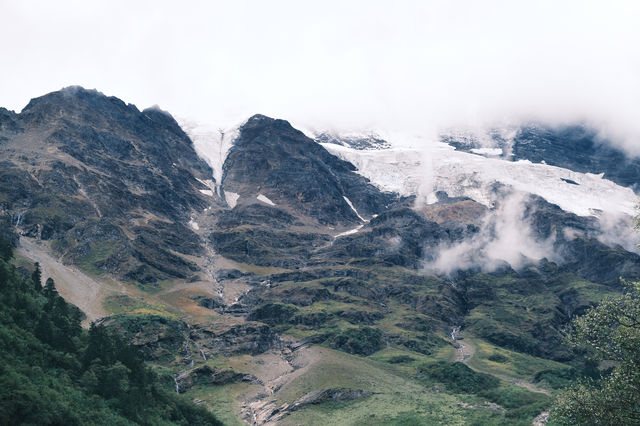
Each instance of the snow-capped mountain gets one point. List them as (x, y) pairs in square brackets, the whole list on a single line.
[(469, 164)]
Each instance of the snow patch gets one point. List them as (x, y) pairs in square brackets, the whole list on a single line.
[(354, 209), (210, 184), (194, 225), (206, 192), (232, 198), (349, 232), (266, 200)]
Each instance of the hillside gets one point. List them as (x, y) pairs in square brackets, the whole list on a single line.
[(55, 372), (311, 283)]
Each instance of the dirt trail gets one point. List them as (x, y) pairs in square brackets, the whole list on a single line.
[(72, 284)]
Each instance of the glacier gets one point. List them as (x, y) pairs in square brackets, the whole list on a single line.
[(212, 144), (440, 167)]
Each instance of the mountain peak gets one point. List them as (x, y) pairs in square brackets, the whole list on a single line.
[(257, 118), (78, 104), (259, 121), (65, 96)]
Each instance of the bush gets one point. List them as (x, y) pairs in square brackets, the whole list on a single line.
[(495, 357), (458, 377), (359, 341)]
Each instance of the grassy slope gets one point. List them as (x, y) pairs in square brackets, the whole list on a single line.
[(401, 395)]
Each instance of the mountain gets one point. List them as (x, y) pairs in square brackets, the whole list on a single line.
[(107, 184), (273, 159), (277, 278)]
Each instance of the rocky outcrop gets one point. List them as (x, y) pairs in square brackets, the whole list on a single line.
[(362, 142), (576, 148), (336, 395), (157, 338), (207, 375), (246, 338), (326, 395), (399, 236), (162, 339), (358, 341), (575, 241), (272, 313), (267, 247)]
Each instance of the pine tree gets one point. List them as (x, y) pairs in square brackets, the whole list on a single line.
[(6, 250), (36, 277), (50, 291)]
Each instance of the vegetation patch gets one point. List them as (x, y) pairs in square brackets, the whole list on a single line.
[(358, 341), (459, 378)]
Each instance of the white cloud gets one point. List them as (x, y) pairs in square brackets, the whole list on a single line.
[(409, 67), (505, 237)]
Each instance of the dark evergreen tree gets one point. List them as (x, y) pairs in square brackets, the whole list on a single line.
[(7, 238), (36, 277), (6, 249), (50, 291)]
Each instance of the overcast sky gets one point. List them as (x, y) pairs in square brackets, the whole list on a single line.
[(400, 66)]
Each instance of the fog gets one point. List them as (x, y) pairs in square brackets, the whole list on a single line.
[(409, 68), (505, 237)]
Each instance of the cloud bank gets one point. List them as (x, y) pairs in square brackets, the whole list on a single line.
[(411, 67)]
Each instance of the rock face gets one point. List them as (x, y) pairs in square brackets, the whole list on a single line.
[(314, 398), (577, 148), (112, 186), (575, 240), (157, 337), (206, 375), (399, 236), (325, 395), (248, 338), (273, 159), (364, 141)]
